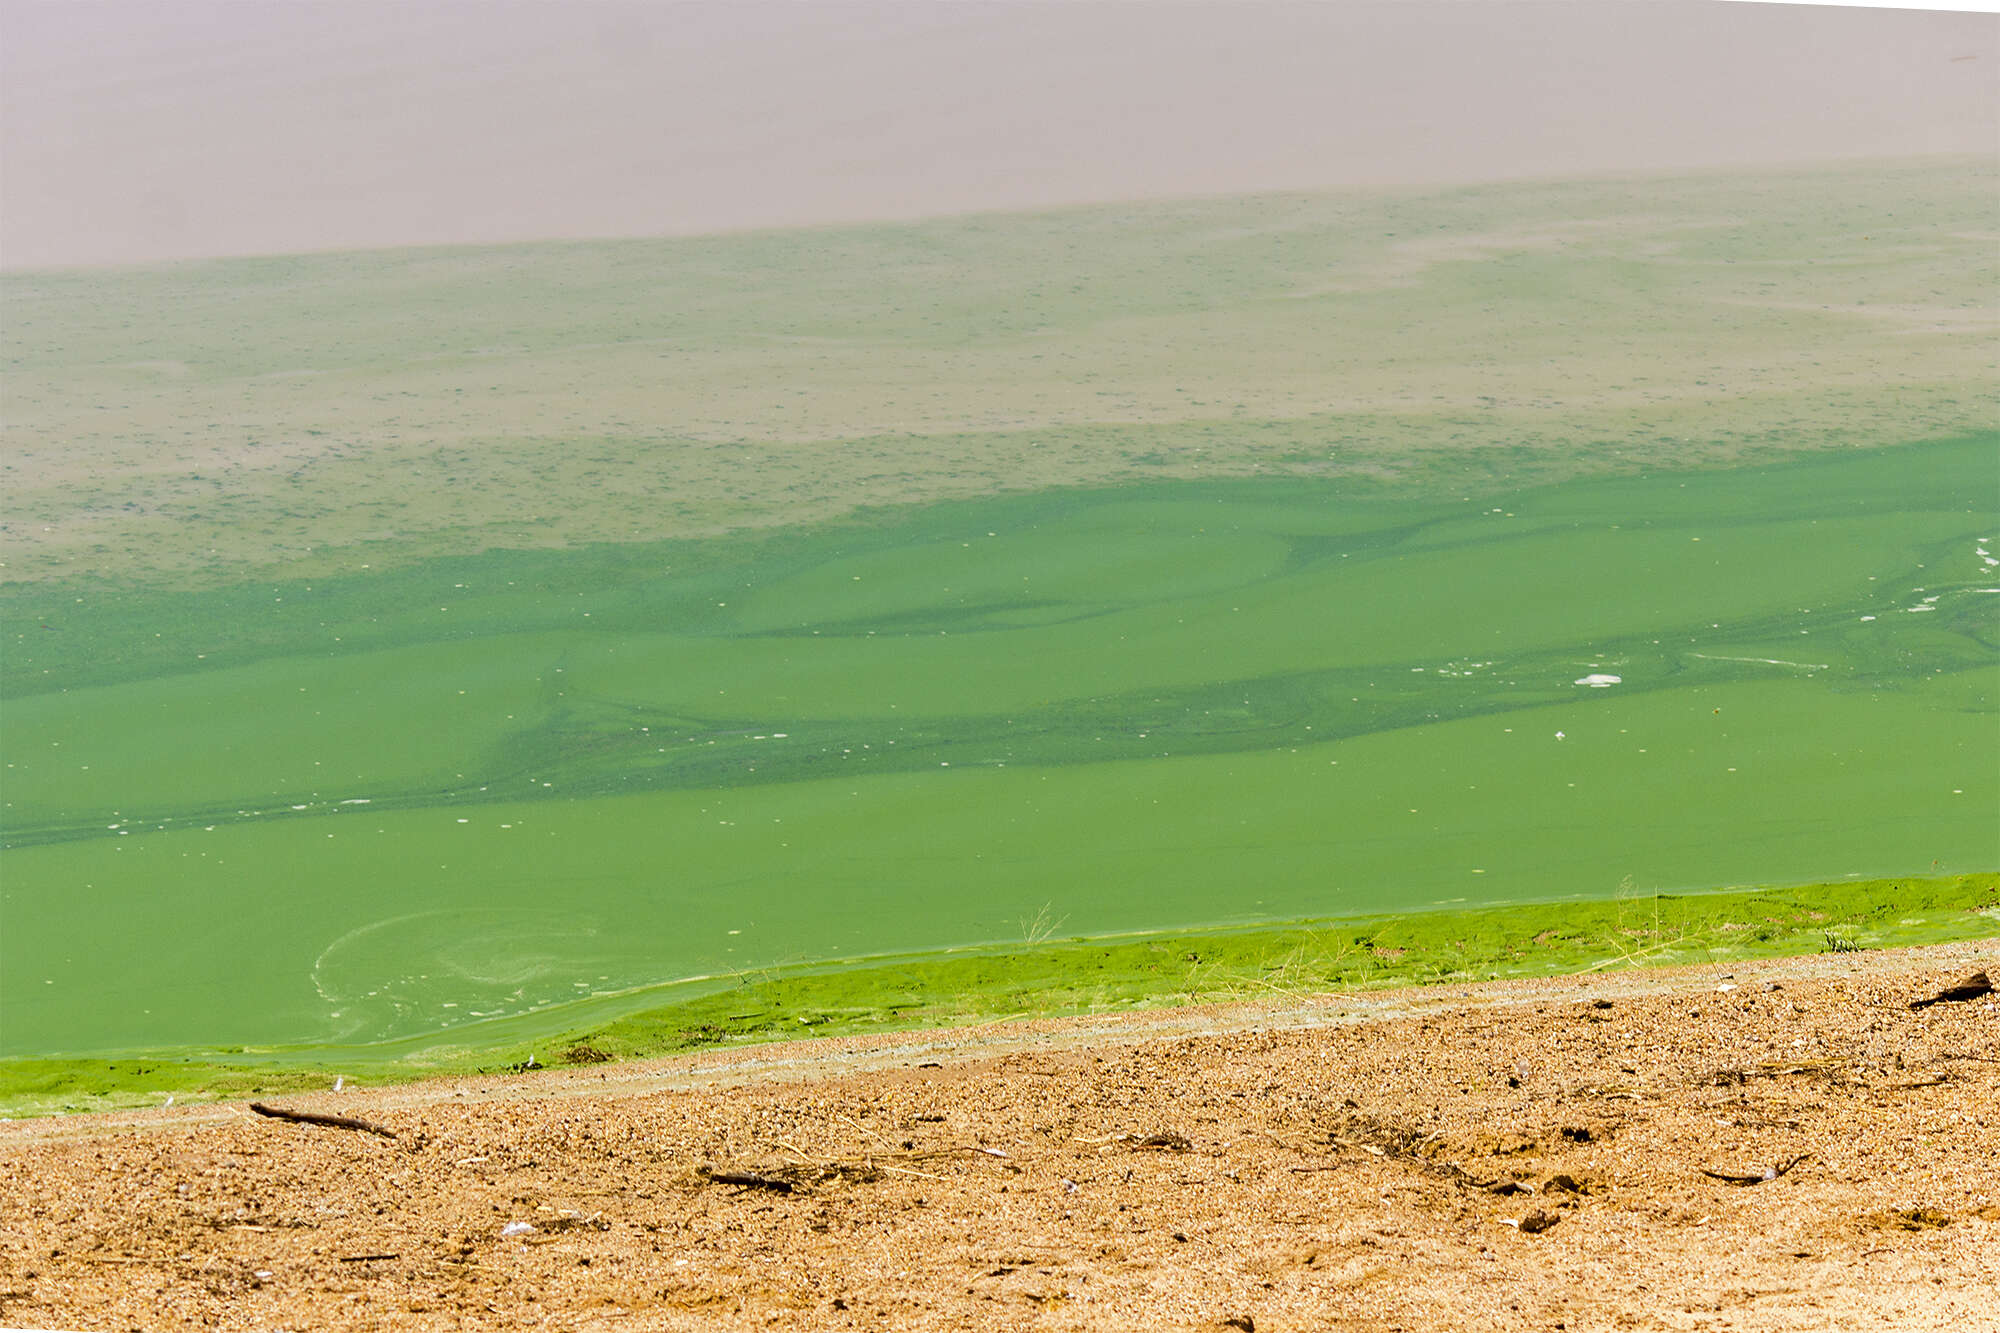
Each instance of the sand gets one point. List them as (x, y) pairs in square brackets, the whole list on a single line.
[(1321, 1162)]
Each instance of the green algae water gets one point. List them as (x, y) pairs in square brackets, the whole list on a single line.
[(477, 798)]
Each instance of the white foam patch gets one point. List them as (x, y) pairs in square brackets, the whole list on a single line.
[(1764, 661), (1597, 680)]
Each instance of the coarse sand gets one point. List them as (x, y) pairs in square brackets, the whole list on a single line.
[(1773, 1145)]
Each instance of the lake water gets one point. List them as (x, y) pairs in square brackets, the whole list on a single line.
[(393, 806)]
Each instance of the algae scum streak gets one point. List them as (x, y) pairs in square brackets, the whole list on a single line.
[(426, 779)]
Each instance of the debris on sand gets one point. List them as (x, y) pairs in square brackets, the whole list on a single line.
[(1767, 1174), (746, 1180), (314, 1118), (1535, 1223)]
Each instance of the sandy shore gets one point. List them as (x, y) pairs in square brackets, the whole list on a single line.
[(1548, 1154)]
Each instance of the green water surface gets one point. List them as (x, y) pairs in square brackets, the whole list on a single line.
[(378, 807)]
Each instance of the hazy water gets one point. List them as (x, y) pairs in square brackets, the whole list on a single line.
[(135, 132), (380, 806)]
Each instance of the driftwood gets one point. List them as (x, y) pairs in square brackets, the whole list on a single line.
[(314, 1118)]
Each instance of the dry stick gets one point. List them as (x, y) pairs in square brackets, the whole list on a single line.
[(314, 1118), (805, 1158), (365, 1258), (1937, 1082), (1731, 1178), (747, 1180), (863, 1128)]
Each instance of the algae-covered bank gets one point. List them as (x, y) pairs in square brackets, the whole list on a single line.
[(1040, 977), (322, 757)]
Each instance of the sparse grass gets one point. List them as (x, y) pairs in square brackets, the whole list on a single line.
[(1038, 928)]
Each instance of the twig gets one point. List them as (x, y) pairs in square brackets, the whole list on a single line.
[(1286, 1144), (1768, 1174), (314, 1118), (863, 1128), (747, 1180), (365, 1258)]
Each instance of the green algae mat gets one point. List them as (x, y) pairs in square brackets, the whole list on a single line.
[(1041, 977), (425, 659), (503, 793)]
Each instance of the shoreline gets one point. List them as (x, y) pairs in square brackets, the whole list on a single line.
[(804, 1059), (1352, 959), (1780, 1143)]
